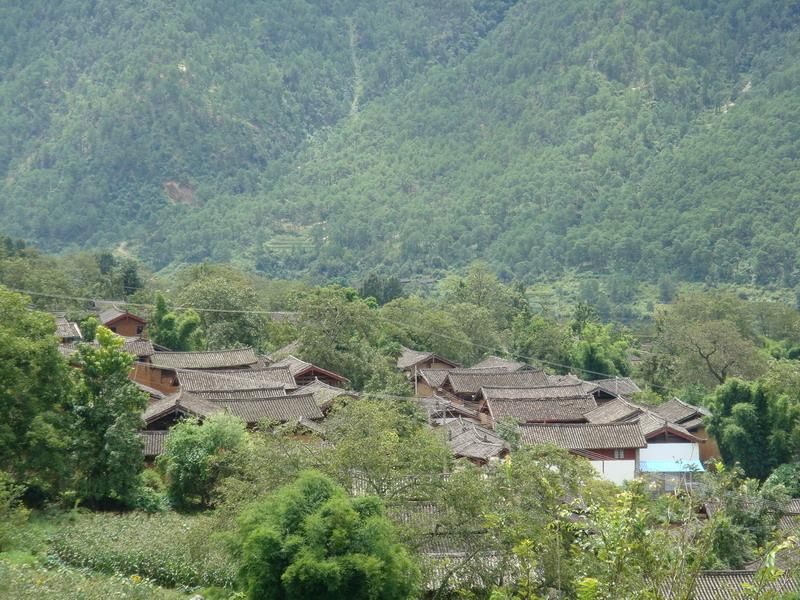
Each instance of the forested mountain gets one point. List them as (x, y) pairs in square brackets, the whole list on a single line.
[(335, 138)]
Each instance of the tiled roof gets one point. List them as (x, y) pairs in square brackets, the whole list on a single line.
[(542, 392), (620, 410), (408, 358), (434, 377), (323, 393), (727, 585), (442, 408), (589, 387), (585, 436), (139, 347), (247, 394), (153, 442), (281, 408), (678, 411), (236, 379), (298, 367), (290, 348), (67, 329), (471, 381), (496, 362), (468, 440), (154, 393), (214, 359), (619, 386), (113, 313), (616, 410), (182, 402), (553, 410)]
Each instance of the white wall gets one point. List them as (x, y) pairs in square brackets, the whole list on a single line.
[(616, 471), (680, 452)]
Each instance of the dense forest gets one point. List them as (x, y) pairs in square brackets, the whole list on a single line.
[(652, 139)]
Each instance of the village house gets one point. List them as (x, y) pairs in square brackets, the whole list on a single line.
[(469, 440), (612, 448), (67, 332), (304, 372), (464, 385), (162, 372), (123, 322), (496, 362), (235, 379), (690, 418), (411, 361), (672, 455), (325, 395)]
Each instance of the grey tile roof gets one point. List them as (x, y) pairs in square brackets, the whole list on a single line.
[(182, 402), (620, 410), (290, 348), (247, 394), (471, 381), (408, 358), (620, 386), (678, 411), (469, 440), (324, 394), (139, 347), (496, 362), (542, 392), (552, 410), (153, 442), (298, 367), (67, 330), (433, 377), (236, 379), (112, 313), (281, 408), (585, 436), (436, 407), (616, 410), (727, 585), (213, 359)]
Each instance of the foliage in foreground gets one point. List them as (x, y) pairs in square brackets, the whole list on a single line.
[(29, 582), (310, 540), (169, 549)]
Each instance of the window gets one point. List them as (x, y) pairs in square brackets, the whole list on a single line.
[(619, 453), (114, 329), (139, 329)]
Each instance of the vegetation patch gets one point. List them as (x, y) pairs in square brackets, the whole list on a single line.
[(170, 549)]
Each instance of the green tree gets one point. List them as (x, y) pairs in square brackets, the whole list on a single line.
[(753, 427), (198, 456), (402, 448), (601, 351), (35, 392), (175, 331), (309, 539), (107, 409)]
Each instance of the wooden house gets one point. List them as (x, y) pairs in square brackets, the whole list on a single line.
[(304, 372), (469, 440), (325, 395), (612, 448), (123, 322), (210, 380), (411, 361)]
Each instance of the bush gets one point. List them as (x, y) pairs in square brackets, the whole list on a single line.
[(309, 539), (12, 514), (169, 549)]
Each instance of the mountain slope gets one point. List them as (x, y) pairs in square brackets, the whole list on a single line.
[(120, 116), (639, 137)]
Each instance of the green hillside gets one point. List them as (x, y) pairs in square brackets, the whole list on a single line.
[(642, 138)]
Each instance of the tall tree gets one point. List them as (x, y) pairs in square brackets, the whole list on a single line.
[(176, 331), (35, 391), (107, 409)]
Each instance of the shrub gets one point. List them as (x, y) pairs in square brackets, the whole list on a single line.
[(12, 514)]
